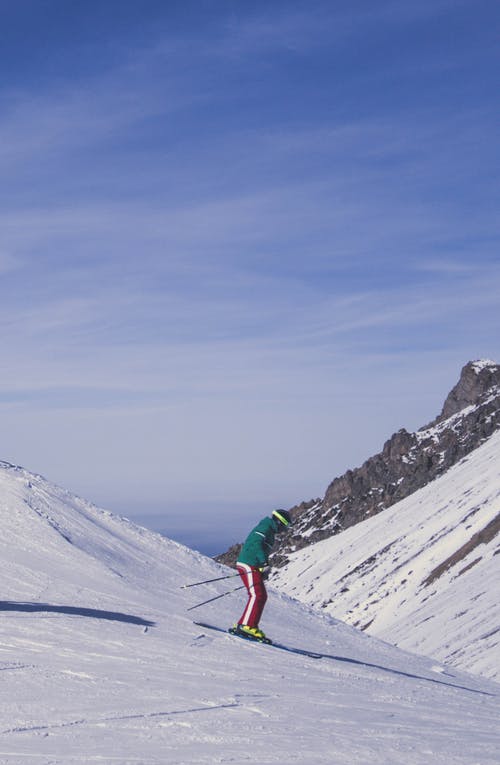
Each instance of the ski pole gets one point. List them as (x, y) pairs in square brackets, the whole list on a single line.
[(207, 581), (217, 597)]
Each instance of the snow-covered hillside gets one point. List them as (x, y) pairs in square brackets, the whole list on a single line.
[(101, 663), (423, 574)]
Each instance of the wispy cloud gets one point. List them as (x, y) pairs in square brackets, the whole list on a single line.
[(302, 30), (230, 242)]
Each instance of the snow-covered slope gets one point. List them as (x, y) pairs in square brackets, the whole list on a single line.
[(423, 574), (100, 661)]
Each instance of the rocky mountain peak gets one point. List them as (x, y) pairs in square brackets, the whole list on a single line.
[(407, 462), (478, 378)]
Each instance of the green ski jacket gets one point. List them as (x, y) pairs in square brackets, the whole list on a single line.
[(259, 543)]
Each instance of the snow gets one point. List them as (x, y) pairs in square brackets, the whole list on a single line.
[(418, 574), (101, 663), (481, 364), (451, 423)]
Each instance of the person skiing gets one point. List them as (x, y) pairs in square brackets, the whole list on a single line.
[(251, 565)]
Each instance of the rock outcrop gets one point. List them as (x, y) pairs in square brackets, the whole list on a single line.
[(407, 462)]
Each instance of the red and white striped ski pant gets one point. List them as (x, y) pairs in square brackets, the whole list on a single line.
[(257, 595)]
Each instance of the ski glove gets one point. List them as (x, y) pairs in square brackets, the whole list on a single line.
[(264, 572)]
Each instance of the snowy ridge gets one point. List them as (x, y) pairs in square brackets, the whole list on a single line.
[(407, 462), (422, 574), (100, 660)]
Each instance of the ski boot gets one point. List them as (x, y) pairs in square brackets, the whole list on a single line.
[(249, 633)]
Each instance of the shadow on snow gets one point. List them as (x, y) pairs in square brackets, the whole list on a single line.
[(357, 662), (92, 613), (405, 674)]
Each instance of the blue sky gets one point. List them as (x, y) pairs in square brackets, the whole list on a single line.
[(240, 244)]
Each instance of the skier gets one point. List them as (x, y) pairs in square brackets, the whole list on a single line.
[(251, 565)]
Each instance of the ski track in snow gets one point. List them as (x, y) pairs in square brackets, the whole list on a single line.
[(100, 661)]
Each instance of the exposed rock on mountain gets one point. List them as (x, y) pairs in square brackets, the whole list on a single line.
[(478, 379), (407, 462)]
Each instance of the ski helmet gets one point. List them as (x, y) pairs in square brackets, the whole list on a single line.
[(283, 516)]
